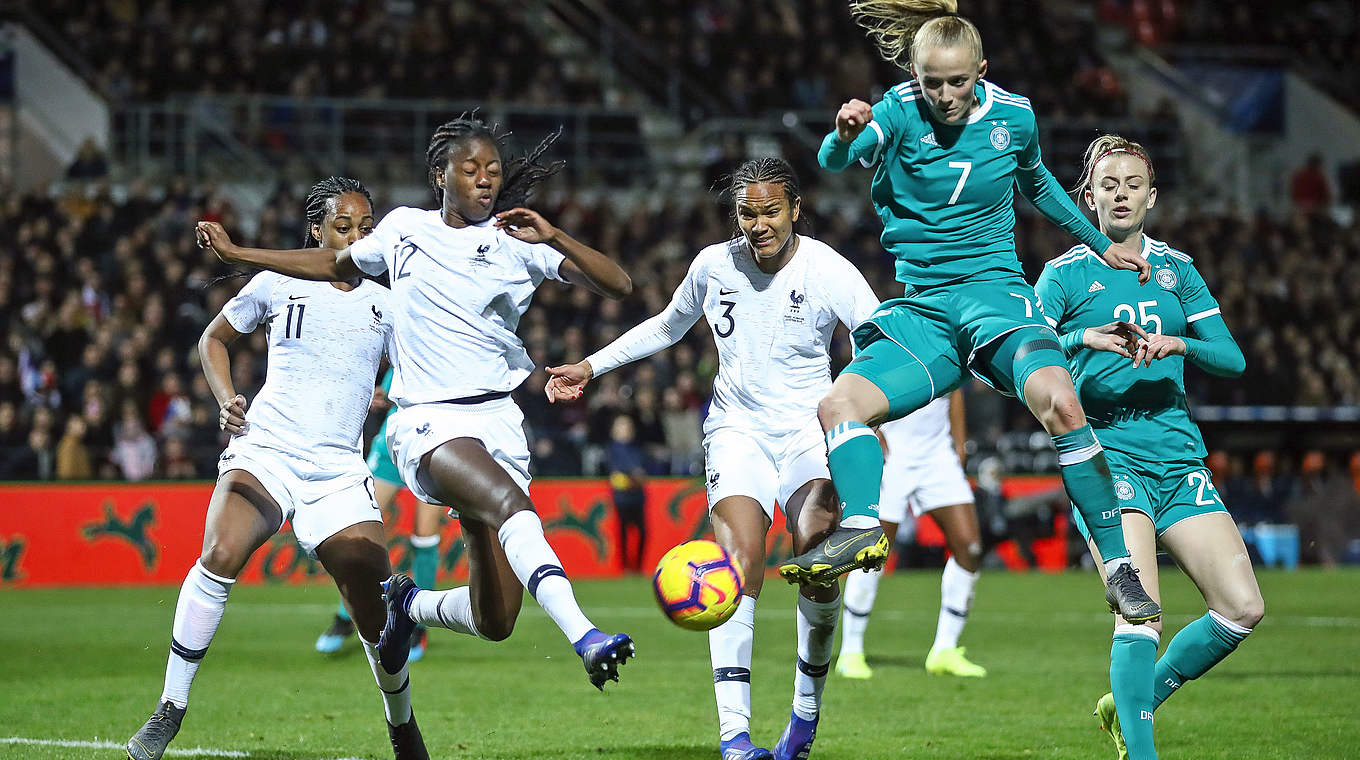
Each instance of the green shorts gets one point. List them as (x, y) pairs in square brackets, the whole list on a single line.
[(917, 348), (1166, 492), (380, 459)]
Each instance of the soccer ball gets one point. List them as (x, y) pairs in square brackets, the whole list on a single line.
[(698, 585)]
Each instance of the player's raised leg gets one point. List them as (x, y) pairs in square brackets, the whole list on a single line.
[(424, 561), (812, 514), (356, 557), (739, 525), (1040, 369), (386, 486), (1126, 713), (1209, 548), (241, 517)]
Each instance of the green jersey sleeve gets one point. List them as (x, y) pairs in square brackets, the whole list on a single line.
[(1053, 304), (1213, 348), (1041, 188), (868, 147)]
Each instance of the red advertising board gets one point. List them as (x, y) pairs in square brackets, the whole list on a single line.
[(110, 534)]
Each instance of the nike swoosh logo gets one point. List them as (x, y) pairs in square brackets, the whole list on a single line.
[(295, 298), (833, 550), (725, 292)]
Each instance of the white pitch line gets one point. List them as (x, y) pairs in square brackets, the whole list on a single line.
[(178, 751)]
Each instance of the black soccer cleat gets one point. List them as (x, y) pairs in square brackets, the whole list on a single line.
[(154, 736), (407, 743), (844, 550), (394, 645), (1126, 596)]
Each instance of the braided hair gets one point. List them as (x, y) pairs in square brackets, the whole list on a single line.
[(319, 199), (520, 175)]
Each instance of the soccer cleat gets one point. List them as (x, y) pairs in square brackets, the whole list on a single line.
[(603, 654), (853, 666), (418, 640), (740, 747), (154, 736), (951, 662), (334, 637), (407, 744), (1109, 721), (796, 741), (394, 645), (844, 550), (1125, 595)]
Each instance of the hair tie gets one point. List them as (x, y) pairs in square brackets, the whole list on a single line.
[(1111, 152)]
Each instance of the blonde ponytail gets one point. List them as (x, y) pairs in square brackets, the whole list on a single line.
[(901, 28)]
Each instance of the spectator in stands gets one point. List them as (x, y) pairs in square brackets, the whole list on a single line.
[(134, 450), (90, 162), (1309, 189), (1325, 508), (627, 475), (32, 461), (1259, 498), (73, 457)]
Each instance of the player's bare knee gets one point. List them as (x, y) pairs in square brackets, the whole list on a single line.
[(499, 626), (501, 505), (836, 408), (1059, 411), (223, 559), (1246, 611)]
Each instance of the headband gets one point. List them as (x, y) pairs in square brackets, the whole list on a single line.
[(1112, 151)]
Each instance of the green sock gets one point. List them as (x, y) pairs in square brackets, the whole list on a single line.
[(424, 560), (1086, 476), (1193, 650), (856, 462), (341, 612), (1132, 658)]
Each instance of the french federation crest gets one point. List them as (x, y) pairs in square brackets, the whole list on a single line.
[(1123, 489), (1166, 278), (1001, 138)]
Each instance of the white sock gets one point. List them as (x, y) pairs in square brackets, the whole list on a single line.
[(538, 568), (729, 648), (860, 590), (956, 598), (1112, 565), (396, 687), (451, 609), (202, 599), (816, 632)]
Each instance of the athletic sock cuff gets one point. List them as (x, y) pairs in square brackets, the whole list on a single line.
[(1076, 446), (1230, 629), (846, 432), (1138, 630), (425, 542), (819, 612), (213, 576)]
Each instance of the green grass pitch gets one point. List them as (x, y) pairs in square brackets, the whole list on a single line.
[(86, 665)]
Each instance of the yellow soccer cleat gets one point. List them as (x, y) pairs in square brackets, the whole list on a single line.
[(1109, 721), (853, 666), (951, 662)]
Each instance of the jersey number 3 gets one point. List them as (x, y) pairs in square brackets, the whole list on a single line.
[(718, 327)]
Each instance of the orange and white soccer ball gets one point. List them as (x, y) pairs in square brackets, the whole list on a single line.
[(698, 585)]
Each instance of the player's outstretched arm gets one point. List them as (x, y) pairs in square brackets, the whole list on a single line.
[(1123, 338), (212, 354), (323, 264), (568, 382), (584, 266), (845, 145)]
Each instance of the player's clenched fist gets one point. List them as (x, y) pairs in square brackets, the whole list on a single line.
[(852, 119)]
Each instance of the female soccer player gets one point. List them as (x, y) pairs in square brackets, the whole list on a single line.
[(1166, 494), (923, 472), (951, 148), (462, 275), (424, 539), (772, 298), (295, 455)]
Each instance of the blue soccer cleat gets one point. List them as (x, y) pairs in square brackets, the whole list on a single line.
[(740, 747), (394, 645), (796, 743), (603, 654), (330, 641)]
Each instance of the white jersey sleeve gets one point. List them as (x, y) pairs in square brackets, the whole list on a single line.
[(543, 261), (374, 254), (250, 306), (660, 331), (848, 293)]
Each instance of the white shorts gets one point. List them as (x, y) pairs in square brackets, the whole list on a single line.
[(766, 468), (415, 431), (319, 502), (937, 482)]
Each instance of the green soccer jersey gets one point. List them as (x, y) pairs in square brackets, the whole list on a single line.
[(1140, 412), (945, 193)]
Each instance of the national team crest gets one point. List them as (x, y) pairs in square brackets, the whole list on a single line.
[(1166, 278), (795, 310), (1001, 138), (1123, 489)]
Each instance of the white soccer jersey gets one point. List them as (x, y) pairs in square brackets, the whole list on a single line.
[(457, 296), (324, 348), (920, 436), (773, 331)]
